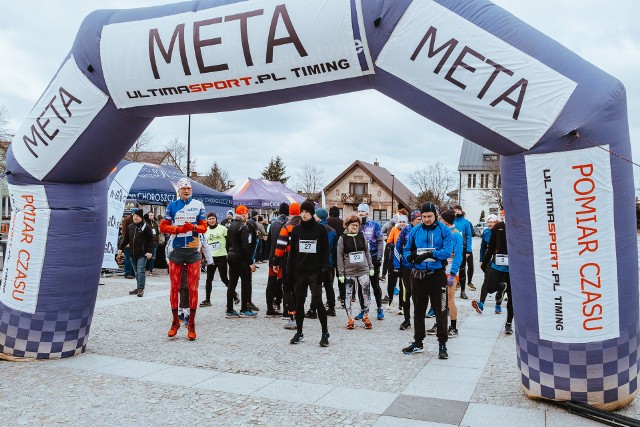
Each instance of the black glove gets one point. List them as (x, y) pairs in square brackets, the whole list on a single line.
[(424, 256), (377, 262), (412, 257), (483, 267)]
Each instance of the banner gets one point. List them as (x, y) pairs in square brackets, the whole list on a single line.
[(118, 192), (231, 50), (64, 111), (26, 245), (475, 73), (574, 251)]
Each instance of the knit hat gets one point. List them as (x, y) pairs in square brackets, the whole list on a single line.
[(334, 211), (138, 212), (230, 212), (254, 213), (448, 216), (283, 209), (492, 218), (294, 209), (402, 218), (241, 210), (308, 206), (363, 207), (429, 207), (322, 213), (415, 215), (184, 183)]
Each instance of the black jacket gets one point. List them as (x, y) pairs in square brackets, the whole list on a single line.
[(139, 238), (301, 261), (240, 242), (497, 243)]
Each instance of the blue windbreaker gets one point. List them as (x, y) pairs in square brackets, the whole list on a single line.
[(458, 252), (373, 234), (463, 225), (440, 238)]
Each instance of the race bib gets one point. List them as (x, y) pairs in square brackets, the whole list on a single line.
[(356, 257), (502, 260), (308, 246), (215, 246), (153, 231), (421, 251)]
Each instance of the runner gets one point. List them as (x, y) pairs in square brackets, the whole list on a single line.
[(240, 243), (183, 220), (355, 267), (464, 226), (308, 262), (373, 233), (216, 240), (403, 267), (427, 246), (281, 255)]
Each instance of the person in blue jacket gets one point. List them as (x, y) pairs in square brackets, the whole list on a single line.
[(463, 225), (373, 233), (403, 267), (428, 245), (452, 269)]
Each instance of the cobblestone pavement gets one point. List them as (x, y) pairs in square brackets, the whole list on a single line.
[(245, 372)]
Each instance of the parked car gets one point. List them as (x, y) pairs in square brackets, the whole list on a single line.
[(479, 228)]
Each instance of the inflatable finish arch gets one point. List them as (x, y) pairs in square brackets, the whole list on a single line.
[(469, 66)]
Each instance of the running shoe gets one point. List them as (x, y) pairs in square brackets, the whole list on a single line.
[(453, 332), (385, 299), (380, 313), (331, 311), (324, 340), (205, 303), (191, 335), (350, 324), (366, 322), (251, 306), (311, 314), (232, 314), (400, 311), (405, 325), (174, 329), (508, 329), (498, 309), (359, 316), (463, 295), (442, 352), (248, 313), (471, 286), (291, 325), (297, 338), (413, 348), (431, 313), (478, 306), (433, 330)]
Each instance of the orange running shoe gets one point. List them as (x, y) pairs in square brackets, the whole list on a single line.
[(192, 331), (350, 324), (367, 323), (174, 329)]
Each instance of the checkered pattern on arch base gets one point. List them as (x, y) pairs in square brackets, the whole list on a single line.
[(44, 335), (600, 373)]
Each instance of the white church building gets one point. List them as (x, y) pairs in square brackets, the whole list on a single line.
[(479, 185)]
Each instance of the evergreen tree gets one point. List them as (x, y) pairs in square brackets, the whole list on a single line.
[(275, 171), (216, 179)]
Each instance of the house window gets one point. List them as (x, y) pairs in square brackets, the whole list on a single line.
[(379, 214), (484, 180), (340, 214), (357, 188), (497, 181), (471, 180), (379, 193), (6, 207)]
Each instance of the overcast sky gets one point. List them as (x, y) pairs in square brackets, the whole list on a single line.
[(35, 36)]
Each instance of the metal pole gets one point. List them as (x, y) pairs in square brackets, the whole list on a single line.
[(393, 181), (189, 148)]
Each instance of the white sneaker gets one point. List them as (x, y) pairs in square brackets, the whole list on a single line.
[(291, 324)]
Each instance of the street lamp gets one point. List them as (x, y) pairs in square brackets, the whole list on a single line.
[(189, 148)]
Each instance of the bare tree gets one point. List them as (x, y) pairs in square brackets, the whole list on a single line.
[(143, 143), (5, 117), (433, 183), (216, 179), (5, 136), (310, 180), (491, 186), (179, 153)]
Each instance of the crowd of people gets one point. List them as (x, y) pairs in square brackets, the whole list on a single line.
[(425, 255)]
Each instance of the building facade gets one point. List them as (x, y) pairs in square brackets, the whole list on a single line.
[(363, 182), (480, 182)]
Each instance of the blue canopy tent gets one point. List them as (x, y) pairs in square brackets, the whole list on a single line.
[(149, 184)]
